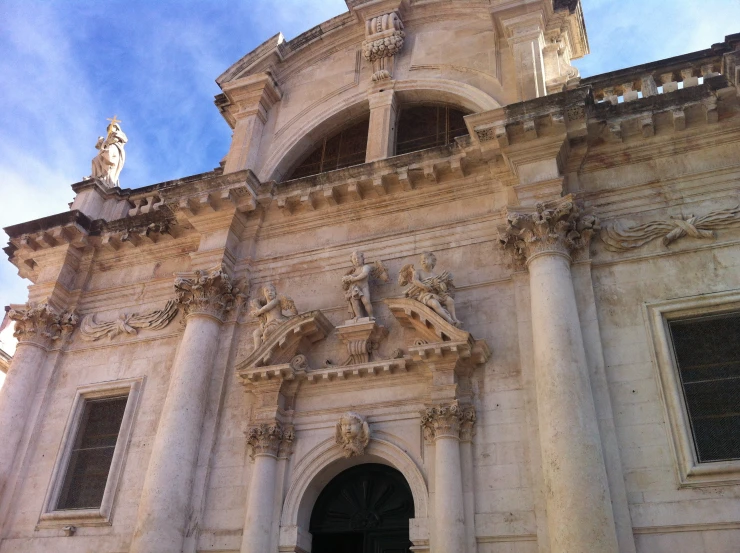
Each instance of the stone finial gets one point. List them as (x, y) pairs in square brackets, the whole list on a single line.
[(447, 421), (270, 308), (265, 439), (352, 434), (41, 324), (553, 227), (434, 291), (107, 165), (208, 292), (384, 38)]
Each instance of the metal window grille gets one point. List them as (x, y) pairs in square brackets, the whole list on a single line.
[(707, 351), (345, 149), (422, 127), (92, 454)]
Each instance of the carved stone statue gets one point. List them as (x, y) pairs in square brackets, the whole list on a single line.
[(270, 309), (107, 165), (432, 290), (356, 284), (352, 434)]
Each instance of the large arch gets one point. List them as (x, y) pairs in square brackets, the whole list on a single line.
[(331, 116), (325, 462)]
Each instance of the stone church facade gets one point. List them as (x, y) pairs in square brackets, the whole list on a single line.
[(442, 295)]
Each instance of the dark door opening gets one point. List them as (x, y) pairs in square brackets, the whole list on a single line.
[(365, 509)]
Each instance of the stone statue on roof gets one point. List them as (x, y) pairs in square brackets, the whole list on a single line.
[(107, 165)]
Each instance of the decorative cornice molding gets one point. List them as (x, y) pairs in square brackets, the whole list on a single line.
[(446, 421), (553, 227), (208, 292), (41, 324), (620, 239), (128, 324)]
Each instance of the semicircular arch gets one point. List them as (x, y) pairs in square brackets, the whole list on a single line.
[(332, 116), (327, 460)]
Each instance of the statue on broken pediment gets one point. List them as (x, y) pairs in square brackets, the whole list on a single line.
[(107, 165), (356, 284), (434, 291), (270, 310), (352, 434)]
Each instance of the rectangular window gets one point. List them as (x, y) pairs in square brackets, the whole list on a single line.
[(707, 353), (92, 454), (697, 353)]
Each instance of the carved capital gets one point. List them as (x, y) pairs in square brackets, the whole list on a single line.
[(447, 421), (265, 439), (207, 293), (467, 425), (41, 324), (285, 450), (554, 227)]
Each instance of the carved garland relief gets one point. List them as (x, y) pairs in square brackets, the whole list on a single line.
[(384, 38), (128, 324)]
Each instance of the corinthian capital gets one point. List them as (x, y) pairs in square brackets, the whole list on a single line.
[(554, 227), (446, 421), (265, 439), (41, 324), (206, 293)]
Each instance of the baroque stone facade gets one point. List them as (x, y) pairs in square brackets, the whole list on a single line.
[(531, 403)]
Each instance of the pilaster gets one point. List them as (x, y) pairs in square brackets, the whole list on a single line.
[(381, 140), (250, 100), (525, 34)]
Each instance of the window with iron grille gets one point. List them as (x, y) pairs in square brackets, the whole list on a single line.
[(92, 453), (422, 127), (707, 352)]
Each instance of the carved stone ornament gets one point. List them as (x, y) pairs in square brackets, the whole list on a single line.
[(107, 165), (356, 285), (352, 434), (41, 324), (620, 239), (553, 227), (208, 292), (446, 421), (434, 291), (265, 439), (128, 324), (270, 309), (384, 38)]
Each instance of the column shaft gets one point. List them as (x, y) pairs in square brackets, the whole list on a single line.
[(449, 505), (579, 510), (257, 535), (165, 501), (381, 139), (16, 395)]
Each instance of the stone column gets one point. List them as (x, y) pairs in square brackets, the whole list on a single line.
[(467, 431), (579, 510), (164, 508), (250, 100), (37, 327), (527, 40), (381, 139), (442, 426), (265, 441)]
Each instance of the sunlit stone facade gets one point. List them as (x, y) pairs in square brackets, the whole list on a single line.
[(521, 380)]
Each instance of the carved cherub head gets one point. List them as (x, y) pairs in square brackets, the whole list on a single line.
[(269, 292), (358, 259), (428, 261), (352, 434)]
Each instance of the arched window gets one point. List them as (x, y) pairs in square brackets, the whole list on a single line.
[(422, 127), (343, 149)]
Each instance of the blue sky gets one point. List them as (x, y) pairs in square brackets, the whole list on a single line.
[(67, 65)]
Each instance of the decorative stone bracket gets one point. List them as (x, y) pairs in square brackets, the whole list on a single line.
[(361, 339), (384, 38)]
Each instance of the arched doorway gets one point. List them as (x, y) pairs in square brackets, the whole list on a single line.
[(365, 509)]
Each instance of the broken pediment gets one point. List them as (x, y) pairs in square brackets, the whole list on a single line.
[(436, 336), (284, 343)]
